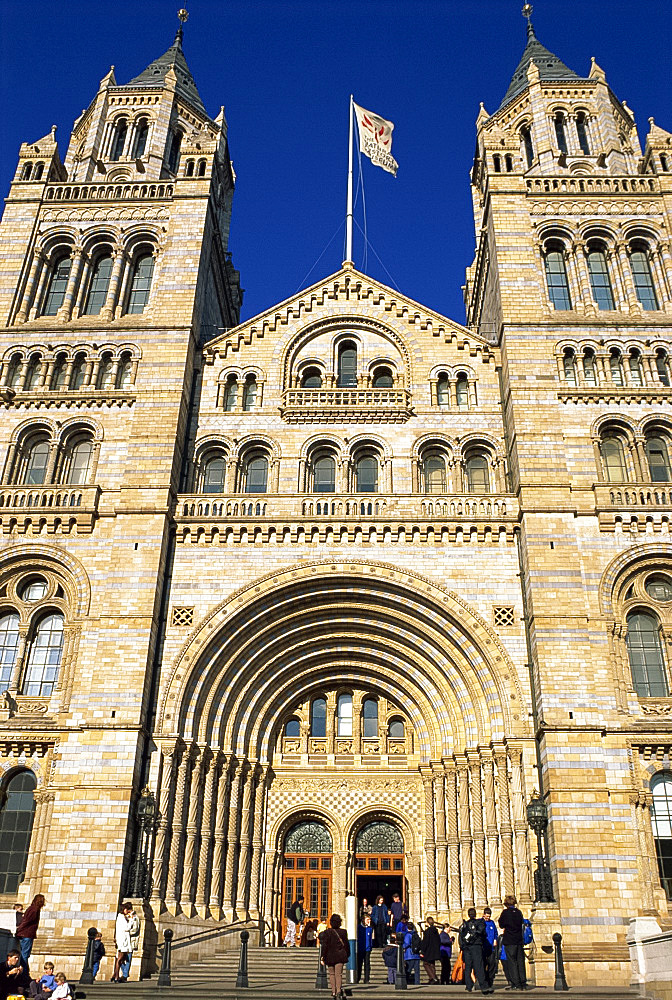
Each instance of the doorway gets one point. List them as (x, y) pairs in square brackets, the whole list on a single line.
[(371, 886), (307, 871), (379, 862)]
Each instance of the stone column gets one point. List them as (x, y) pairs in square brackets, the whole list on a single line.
[(269, 910), (43, 833), (339, 881), (666, 264), (584, 279), (505, 828), (643, 860), (165, 794), (36, 837), (430, 844), (520, 825), (465, 832), (491, 833), (29, 290), (658, 274), (331, 721), (646, 799), (221, 820), (572, 271), (177, 831), (203, 873), (245, 837), (108, 310), (258, 845), (17, 671), (455, 896), (187, 893), (232, 842), (626, 275), (65, 311), (477, 827), (441, 841)]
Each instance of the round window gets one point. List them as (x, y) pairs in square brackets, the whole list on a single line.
[(34, 589), (659, 587)]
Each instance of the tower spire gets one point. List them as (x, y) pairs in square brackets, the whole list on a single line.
[(527, 13), (183, 17)]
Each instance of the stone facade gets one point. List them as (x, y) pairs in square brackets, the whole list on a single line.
[(439, 531)]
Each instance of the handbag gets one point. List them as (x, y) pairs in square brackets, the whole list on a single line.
[(457, 975)]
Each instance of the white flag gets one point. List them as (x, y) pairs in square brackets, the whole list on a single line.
[(375, 139)]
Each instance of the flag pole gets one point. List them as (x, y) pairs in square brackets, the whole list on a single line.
[(348, 216)]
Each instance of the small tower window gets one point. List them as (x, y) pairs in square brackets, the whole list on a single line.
[(141, 136), (44, 657), (77, 462), (318, 718), (119, 139), (324, 474), (370, 719), (646, 656), (477, 474), (231, 393), (635, 365), (366, 474), (213, 475), (174, 151), (39, 170), (443, 390), (462, 390), (613, 458), (201, 168), (526, 136), (662, 368), (582, 133), (58, 284), (434, 473), (27, 171), (78, 372), (141, 283), (189, 168), (36, 463), (58, 374), (569, 367), (345, 715), (100, 282), (497, 163), (249, 393), (599, 279), (311, 379), (589, 374), (347, 365), (658, 459), (383, 379), (663, 163), (642, 277), (616, 367), (560, 136), (124, 371), (256, 474), (508, 160), (556, 277)]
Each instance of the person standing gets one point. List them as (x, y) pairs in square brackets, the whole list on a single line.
[(134, 935), (511, 922), (490, 947), (335, 953), (412, 945), (380, 918), (98, 953), (430, 951), (295, 915), (364, 946), (446, 954), (122, 939), (396, 910), (365, 909), (390, 959), (26, 931), (472, 936)]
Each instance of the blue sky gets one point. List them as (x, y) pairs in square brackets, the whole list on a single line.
[(284, 70)]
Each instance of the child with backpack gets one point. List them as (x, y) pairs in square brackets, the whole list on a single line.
[(412, 945)]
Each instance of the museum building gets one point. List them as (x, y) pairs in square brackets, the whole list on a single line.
[(347, 586)]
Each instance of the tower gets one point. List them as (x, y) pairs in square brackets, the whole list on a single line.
[(572, 281)]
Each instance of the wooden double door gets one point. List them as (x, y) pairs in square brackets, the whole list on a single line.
[(307, 875)]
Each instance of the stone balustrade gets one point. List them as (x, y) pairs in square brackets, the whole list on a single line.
[(59, 508), (332, 405)]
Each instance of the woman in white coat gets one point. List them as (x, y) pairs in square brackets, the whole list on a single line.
[(122, 938)]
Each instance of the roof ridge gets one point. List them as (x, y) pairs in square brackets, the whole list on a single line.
[(549, 65), (173, 58)]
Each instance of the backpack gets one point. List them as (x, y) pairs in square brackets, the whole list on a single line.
[(416, 942), (469, 935), (528, 936)]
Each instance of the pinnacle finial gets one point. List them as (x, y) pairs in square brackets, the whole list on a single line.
[(527, 13), (183, 17)]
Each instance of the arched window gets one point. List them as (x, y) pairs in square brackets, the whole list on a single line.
[(17, 810), (293, 727), (77, 461), (497, 163), (645, 653), (613, 459), (508, 160), (347, 364), (78, 372), (124, 371), (526, 136), (462, 390), (14, 371), (318, 718), (249, 393), (663, 163), (311, 379), (141, 283), (39, 170), (344, 715), (379, 838), (616, 367), (58, 283), (256, 474), (635, 365), (324, 474), (119, 139), (582, 132), (443, 390), (201, 168), (599, 278), (44, 656), (589, 373), (58, 373), (658, 459), (661, 821), (9, 644), (174, 151), (33, 372), (100, 282), (569, 366), (642, 277), (434, 473), (396, 729), (231, 393), (662, 368), (35, 462), (559, 125), (309, 838), (27, 171), (141, 136), (105, 378), (477, 474), (556, 276), (370, 719), (189, 168), (366, 474), (383, 379), (214, 472)]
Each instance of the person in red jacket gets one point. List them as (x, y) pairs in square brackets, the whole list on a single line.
[(26, 932)]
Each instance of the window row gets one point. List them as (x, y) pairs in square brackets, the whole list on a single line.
[(572, 135), (608, 278), (593, 367), (350, 721), (37, 460), (36, 671), (236, 394), (32, 171), (348, 374), (72, 283), (127, 139), (64, 372), (625, 458)]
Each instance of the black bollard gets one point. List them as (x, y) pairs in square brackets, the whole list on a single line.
[(400, 982), (86, 977), (321, 982), (164, 973), (560, 981), (242, 981)]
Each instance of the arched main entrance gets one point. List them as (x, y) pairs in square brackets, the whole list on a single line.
[(307, 869), (379, 862)]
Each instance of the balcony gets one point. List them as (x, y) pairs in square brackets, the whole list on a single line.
[(328, 406), (633, 507), (56, 508)]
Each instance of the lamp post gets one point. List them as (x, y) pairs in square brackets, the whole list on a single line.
[(147, 817), (537, 818)]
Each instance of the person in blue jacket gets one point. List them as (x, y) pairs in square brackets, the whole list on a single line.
[(380, 918), (490, 947), (364, 946), (412, 944)]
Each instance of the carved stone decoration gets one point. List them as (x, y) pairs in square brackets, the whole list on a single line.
[(308, 838), (379, 838), (656, 707)]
